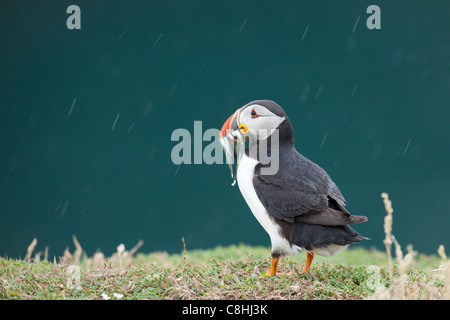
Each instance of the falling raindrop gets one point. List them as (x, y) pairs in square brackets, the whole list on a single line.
[(356, 23), (305, 93), (319, 91), (115, 121), (121, 35), (14, 166), (323, 140), (132, 125), (173, 90), (63, 211), (243, 25), (304, 33), (406, 148), (71, 107), (148, 108), (355, 88), (157, 40), (59, 206)]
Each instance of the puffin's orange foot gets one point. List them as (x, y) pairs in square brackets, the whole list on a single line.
[(273, 267), (309, 259)]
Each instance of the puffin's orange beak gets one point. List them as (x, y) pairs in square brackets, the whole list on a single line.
[(226, 126)]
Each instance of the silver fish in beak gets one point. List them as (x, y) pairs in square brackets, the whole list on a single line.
[(233, 143)]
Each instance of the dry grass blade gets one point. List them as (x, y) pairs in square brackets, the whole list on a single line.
[(404, 286), (78, 251), (443, 273), (30, 249), (388, 221), (123, 257), (441, 253), (184, 250)]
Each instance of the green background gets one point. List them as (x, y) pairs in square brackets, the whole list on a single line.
[(370, 106)]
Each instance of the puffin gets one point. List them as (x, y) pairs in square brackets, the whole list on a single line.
[(293, 199)]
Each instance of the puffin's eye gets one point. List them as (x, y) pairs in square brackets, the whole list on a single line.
[(254, 114)]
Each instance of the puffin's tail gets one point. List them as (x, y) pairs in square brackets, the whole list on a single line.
[(357, 219), (313, 236)]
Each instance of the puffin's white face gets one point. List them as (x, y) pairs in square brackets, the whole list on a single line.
[(252, 122), (257, 122)]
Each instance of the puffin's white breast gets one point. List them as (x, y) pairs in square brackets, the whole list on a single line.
[(244, 177)]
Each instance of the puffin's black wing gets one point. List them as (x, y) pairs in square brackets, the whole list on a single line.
[(302, 191)]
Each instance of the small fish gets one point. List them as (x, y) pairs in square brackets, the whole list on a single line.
[(233, 145)]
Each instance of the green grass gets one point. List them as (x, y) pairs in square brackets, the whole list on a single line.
[(234, 272), (355, 257)]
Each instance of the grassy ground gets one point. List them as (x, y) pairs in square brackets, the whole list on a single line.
[(235, 272)]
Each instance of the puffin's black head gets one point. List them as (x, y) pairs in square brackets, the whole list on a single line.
[(257, 120)]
